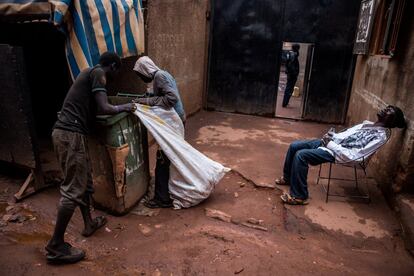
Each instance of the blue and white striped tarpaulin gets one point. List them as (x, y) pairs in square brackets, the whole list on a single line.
[(92, 27)]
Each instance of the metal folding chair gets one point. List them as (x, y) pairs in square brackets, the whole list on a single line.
[(362, 164)]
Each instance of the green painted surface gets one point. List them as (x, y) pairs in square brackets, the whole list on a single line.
[(115, 131)]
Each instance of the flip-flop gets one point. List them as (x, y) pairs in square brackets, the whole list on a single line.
[(288, 199), (99, 222), (67, 255), (281, 181)]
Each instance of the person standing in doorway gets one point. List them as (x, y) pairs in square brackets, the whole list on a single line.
[(166, 95), (85, 99), (292, 72)]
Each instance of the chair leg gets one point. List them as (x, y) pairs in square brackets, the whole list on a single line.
[(329, 182), (356, 178), (319, 174), (366, 185)]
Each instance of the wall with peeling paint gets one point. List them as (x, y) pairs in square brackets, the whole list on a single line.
[(380, 81), (177, 43)]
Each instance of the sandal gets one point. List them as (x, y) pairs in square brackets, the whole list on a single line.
[(98, 223), (153, 204), (288, 199), (65, 254), (281, 181)]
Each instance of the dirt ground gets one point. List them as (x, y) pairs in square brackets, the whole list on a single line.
[(338, 237)]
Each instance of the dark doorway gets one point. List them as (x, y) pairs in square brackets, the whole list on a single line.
[(46, 68), (296, 103), (47, 79)]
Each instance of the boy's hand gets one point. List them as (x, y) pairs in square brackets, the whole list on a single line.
[(326, 139), (131, 107)]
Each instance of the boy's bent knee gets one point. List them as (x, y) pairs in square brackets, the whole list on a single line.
[(295, 145), (302, 155), (67, 203)]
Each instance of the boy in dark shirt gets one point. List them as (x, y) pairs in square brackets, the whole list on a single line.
[(86, 98)]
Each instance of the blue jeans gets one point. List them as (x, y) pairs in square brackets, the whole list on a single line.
[(290, 85), (298, 157)]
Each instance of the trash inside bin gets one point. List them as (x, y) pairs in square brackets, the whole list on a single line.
[(119, 158)]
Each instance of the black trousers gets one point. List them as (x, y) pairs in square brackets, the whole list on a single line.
[(290, 85), (162, 176)]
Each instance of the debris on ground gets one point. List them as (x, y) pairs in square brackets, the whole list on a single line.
[(145, 230), (255, 221), (120, 228), (265, 185), (217, 236), (158, 226), (16, 214), (365, 250), (239, 271), (254, 226), (236, 194), (251, 222), (212, 213), (157, 272), (13, 209)]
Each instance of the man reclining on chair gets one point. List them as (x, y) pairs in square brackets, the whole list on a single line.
[(349, 145)]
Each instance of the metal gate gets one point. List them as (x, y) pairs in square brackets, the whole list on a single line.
[(244, 56), (17, 134), (16, 126), (245, 47)]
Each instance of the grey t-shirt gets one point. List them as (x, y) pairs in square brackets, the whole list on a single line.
[(166, 93), (79, 108)]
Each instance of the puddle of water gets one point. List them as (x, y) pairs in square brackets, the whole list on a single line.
[(25, 238)]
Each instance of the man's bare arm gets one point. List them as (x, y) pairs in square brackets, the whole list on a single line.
[(105, 108)]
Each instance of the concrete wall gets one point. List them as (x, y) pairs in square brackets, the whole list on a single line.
[(176, 33), (379, 81)]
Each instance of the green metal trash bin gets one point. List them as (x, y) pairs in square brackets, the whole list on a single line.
[(118, 151)]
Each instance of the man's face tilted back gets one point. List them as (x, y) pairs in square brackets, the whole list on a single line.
[(387, 116)]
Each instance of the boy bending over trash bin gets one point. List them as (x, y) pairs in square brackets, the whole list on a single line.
[(86, 97), (165, 94)]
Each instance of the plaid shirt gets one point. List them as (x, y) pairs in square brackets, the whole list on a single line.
[(356, 142), (360, 139)]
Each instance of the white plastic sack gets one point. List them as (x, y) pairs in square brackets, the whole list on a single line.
[(193, 175)]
